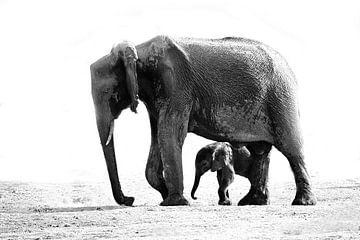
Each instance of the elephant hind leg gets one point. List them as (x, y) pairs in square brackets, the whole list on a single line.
[(304, 195), (289, 142), (258, 174)]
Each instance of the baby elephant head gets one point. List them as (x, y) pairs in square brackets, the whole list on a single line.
[(220, 158), (214, 157)]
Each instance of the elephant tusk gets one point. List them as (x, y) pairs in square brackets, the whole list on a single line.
[(110, 133)]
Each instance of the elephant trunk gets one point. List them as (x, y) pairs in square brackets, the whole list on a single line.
[(105, 126), (196, 184)]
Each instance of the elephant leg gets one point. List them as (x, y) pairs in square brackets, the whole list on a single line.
[(154, 167), (172, 130), (289, 142), (221, 194), (258, 175), (224, 182), (154, 171), (304, 195), (293, 152)]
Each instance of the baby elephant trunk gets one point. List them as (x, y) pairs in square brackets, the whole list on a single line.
[(196, 184), (220, 158)]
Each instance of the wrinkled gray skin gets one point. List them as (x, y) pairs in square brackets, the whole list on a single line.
[(228, 160), (229, 90)]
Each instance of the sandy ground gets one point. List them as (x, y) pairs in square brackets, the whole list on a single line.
[(87, 211)]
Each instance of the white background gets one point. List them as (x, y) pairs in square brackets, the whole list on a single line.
[(47, 121)]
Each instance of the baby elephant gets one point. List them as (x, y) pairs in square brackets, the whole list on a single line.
[(221, 157)]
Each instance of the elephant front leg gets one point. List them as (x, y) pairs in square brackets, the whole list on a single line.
[(154, 167), (154, 171), (171, 135), (258, 177)]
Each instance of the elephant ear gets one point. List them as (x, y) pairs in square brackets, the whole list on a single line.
[(126, 51)]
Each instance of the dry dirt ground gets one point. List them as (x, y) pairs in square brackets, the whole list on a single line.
[(87, 211)]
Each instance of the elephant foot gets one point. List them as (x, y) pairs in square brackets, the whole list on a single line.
[(127, 201), (175, 200), (304, 198), (164, 193), (225, 202), (255, 197)]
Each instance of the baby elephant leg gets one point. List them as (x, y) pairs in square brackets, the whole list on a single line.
[(225, 178)]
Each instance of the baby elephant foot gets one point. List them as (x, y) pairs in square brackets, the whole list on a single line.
[(175, 200), (226, 202), (304, 198), (255, 197)]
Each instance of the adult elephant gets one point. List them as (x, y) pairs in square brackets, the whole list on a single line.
[(230, 90)]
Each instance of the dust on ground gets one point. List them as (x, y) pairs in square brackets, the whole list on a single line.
[(87, 211)]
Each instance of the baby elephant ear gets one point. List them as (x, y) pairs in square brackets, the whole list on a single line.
[(126, 51)]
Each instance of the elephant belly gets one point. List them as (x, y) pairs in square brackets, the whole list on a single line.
[(232, 123)]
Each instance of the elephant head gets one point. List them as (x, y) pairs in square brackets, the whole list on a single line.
[(208, 158), (114, 88)]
